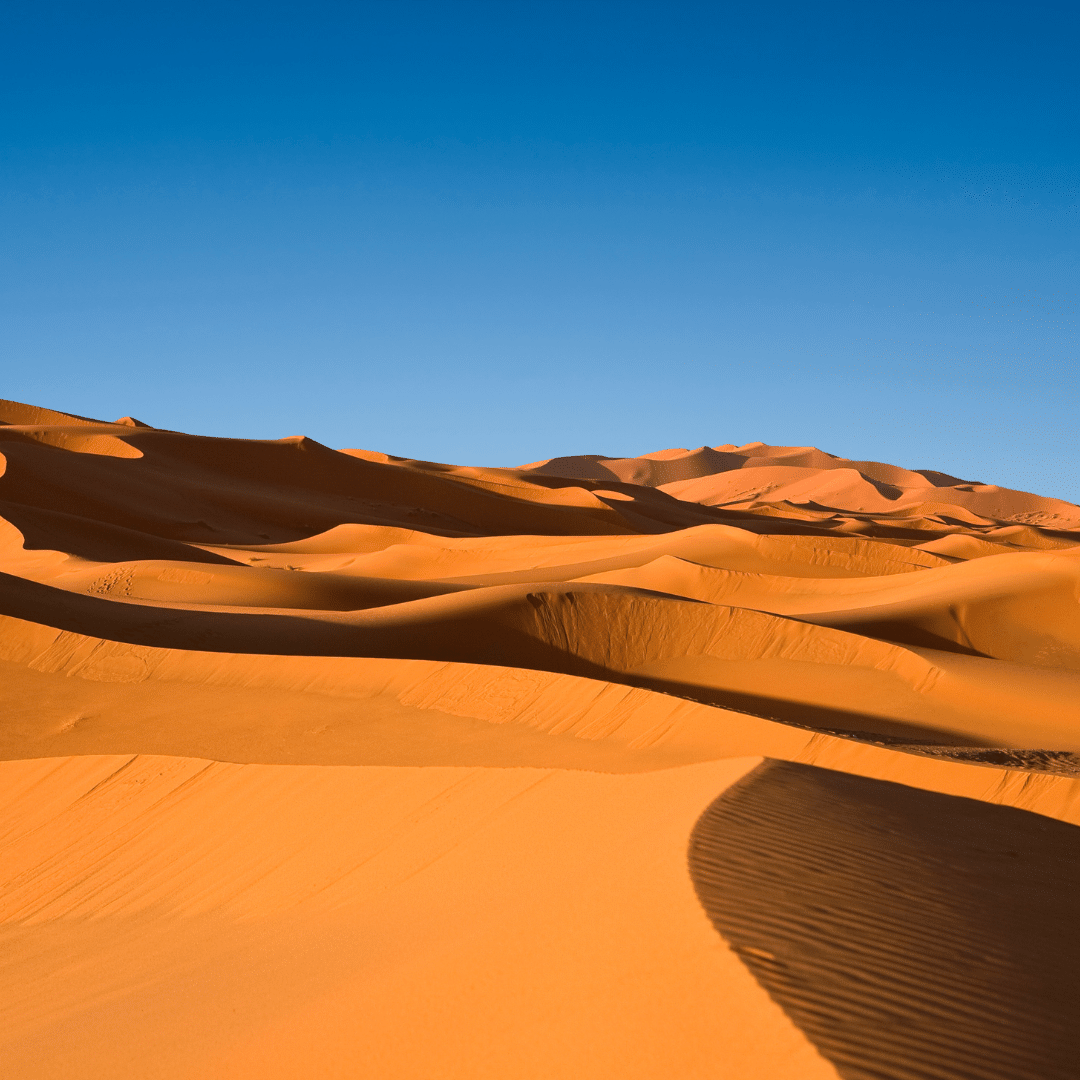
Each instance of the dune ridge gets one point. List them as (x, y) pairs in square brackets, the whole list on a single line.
[(264, 692)]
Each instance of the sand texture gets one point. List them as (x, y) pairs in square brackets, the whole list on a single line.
[(737, 762)]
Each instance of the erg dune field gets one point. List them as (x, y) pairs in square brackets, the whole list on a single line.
[(739, 762)]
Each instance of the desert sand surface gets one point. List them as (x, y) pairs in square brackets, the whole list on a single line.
[(737, 762)]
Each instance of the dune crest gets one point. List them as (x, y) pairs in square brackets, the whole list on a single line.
[(300, 743), (794, 481)]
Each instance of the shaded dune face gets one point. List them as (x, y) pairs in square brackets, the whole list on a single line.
[(908, 933)]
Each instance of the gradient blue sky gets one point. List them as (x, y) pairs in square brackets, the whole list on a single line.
[(492, 232)]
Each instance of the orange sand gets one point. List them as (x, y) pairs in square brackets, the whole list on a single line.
[(331, 764)]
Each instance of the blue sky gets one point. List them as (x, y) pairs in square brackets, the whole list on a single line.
[(492, 232)]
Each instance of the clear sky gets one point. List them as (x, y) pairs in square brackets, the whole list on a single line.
[(488, 233)]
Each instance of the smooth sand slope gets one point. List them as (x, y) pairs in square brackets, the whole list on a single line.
[(333, 764)]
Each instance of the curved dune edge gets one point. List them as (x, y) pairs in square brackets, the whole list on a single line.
[(960, 959)]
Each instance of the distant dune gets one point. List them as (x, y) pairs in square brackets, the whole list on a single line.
[(325, 763)]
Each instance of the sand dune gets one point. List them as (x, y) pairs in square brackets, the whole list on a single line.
[(332, 763), (1019, 607)]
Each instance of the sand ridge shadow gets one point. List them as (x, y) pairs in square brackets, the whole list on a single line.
[(911, 935)]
